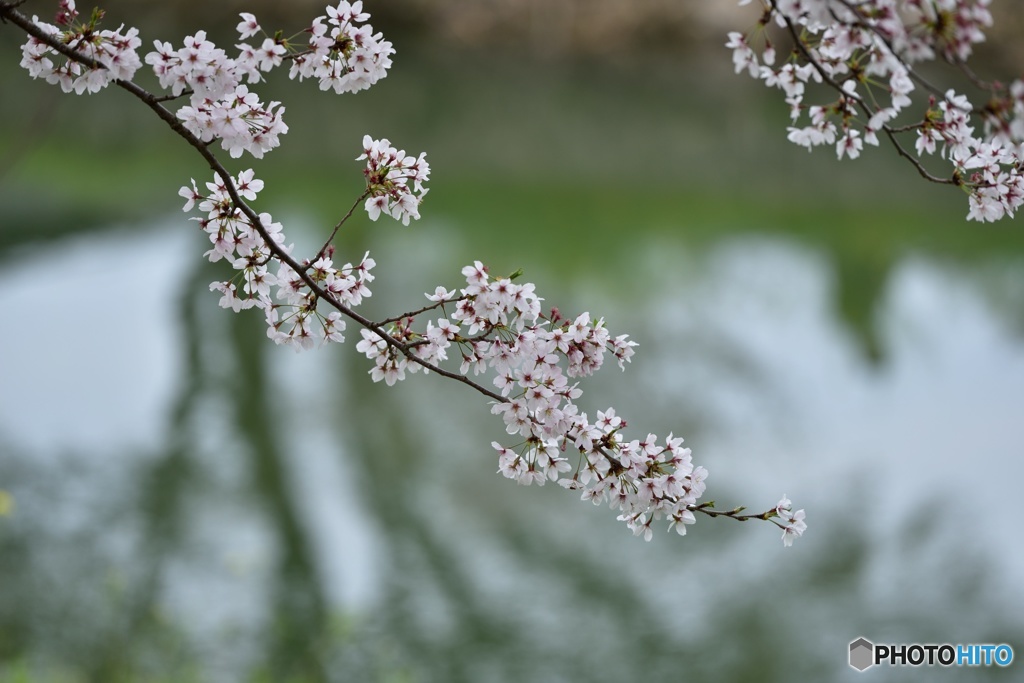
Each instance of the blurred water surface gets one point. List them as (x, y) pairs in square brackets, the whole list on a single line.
[(189, 502)]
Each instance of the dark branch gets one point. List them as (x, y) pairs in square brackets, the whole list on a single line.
[(169, 98), (418, 311), (323, 249)]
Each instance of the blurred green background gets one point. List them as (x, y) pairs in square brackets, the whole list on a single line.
[(180, 500)]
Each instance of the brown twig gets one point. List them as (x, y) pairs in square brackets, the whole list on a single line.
[(708, 509), (327, 244), (169, 98), (418, 311)]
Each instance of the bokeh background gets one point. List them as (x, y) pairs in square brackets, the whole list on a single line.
[(180, 500)]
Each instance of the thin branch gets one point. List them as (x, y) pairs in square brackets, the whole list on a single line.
[(169, 98), (323, 249), (955, 180), (418, 311), (708, 509), (905, 129), (974, 78)]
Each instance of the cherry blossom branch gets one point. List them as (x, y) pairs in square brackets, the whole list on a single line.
[(8, 11), (533, 357), (867, 26), (914, 74), (890, 133), (871, 47)]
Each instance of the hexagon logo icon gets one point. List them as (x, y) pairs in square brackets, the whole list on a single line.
[(862, 654)]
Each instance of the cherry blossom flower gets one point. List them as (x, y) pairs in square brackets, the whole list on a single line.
[(248, 27), (388, 175), (113, 51), (342, 55)]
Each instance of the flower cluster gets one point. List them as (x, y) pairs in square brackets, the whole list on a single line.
[(220, 106), (295, 320), (347, 57), (112, 51), (864, 53), (239, 120), (794, 524), (342, 55), (236, 240), (533, 358), (388, 174)]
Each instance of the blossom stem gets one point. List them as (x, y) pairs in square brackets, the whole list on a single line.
[(327, 244), (170, 98), (708, 509), (418, 311)]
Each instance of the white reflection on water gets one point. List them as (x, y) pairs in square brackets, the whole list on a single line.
[(89, 353), (936, 425)]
